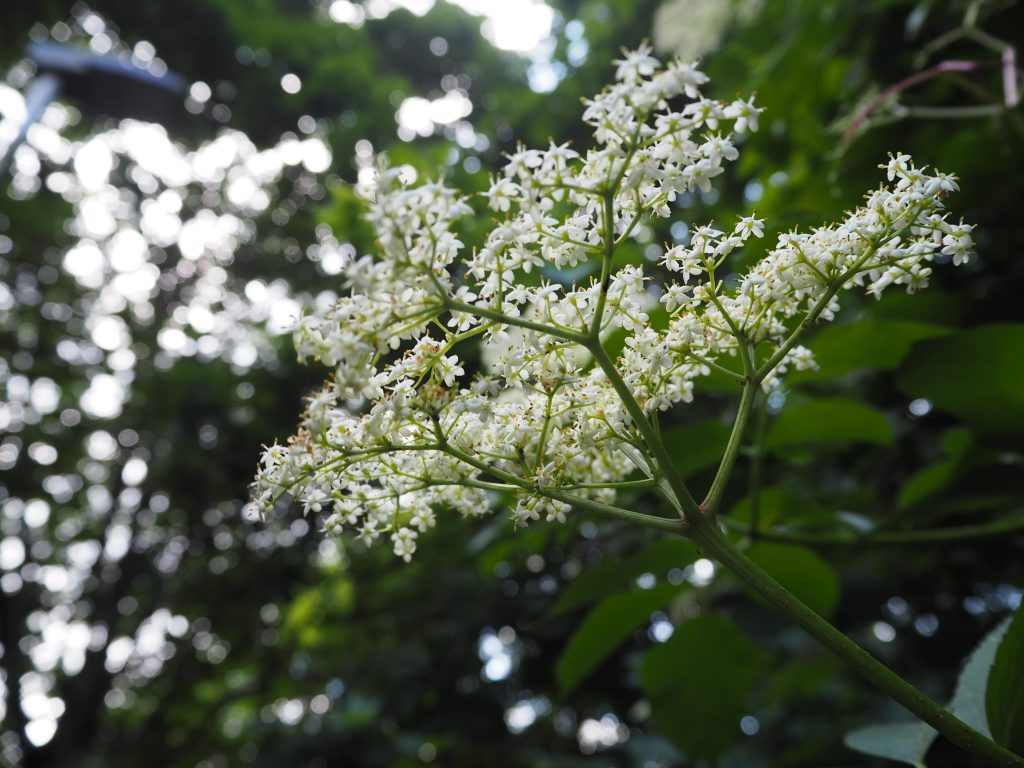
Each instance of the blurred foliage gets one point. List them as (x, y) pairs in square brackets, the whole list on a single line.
[(583, 644)]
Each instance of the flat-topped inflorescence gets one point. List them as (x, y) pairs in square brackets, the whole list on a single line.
[(401, 431)]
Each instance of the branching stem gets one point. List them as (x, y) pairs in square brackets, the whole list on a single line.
[(499, 317), (710, 538)]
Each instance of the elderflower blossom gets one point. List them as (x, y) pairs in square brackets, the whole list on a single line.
[(408, 426)]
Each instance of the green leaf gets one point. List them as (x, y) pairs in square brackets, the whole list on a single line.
[(825, 421), (904, 742), (866, 343), (777, 503), (605, 577), (957, 442), (1004, 697), (969, 698), (605, 628), (610, 575), (698, 684), (976, 375), (926, 483), (909, 742), (932, 479), (696, 446), (306, 617), (800, 571), (801, 679)]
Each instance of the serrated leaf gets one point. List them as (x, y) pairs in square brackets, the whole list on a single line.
[(974, 374), (910, 742), (828, 421), (698, 683), (969, 699), (801, 571), (904, 742), (1004, 696), (605, 628)]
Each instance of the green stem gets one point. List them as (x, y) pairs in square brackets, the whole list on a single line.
[(621, 485), (732, 449), (709, 536), (794, 337), (946, 535), (499, 317), (606, 264), (684, 498), (715, 366), (562, 239), (543, 441), (756, 467), (733, 328), (689, 505), (639, 518), (637, 217), (832, 289)]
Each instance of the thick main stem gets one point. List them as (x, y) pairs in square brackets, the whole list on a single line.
[(709, 536)]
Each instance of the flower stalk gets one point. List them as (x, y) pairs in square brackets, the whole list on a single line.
[(551, 420)]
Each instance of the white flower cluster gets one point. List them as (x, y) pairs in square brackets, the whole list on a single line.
[(406, 428)]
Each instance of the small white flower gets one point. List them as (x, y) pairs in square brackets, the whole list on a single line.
[(314, 501), (745, 114), (676, 295), (896, 166), (803, 359), (636, 65), (958, 242), (404, 540), (748, 225), (501, 194)]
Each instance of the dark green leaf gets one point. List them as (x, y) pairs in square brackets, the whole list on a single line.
[(698, 684), (610, 575), (776, 504), (825, 421), (926, 483), (976, 375), (696, 446), (866, 343), (1004, 698), (604, 578), (605, 628), (932, 479), (802, 678), (800, 571)]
